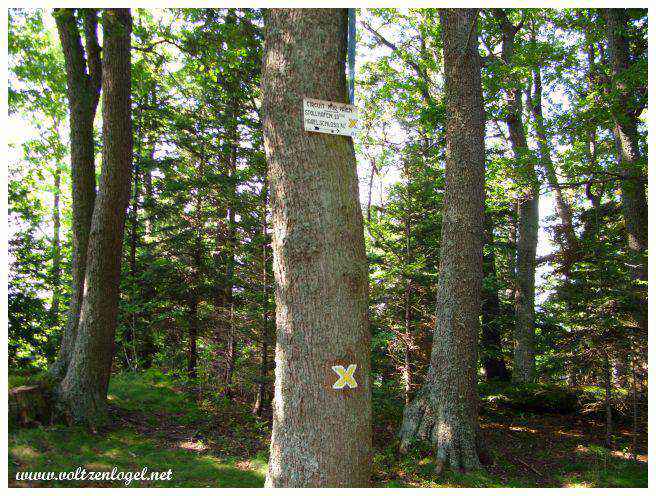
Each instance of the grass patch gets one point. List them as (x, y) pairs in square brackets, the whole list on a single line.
[(154, 396), (62, 449), (599, 467)]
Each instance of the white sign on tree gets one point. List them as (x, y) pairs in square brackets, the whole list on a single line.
[(321, 116)]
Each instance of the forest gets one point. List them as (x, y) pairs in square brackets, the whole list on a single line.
[(447, 290)]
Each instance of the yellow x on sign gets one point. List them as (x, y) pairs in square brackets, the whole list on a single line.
[(345, 376)]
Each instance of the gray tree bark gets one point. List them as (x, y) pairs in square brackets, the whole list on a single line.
[(83, 74), (445, 410), (56, 245), (321, 435), (83, 392), (527, 215), (625, 112)]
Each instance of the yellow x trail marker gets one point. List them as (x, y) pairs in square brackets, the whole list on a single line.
[(345, 376)]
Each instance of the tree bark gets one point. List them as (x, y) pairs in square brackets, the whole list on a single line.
[(527, 214), (56, 247), (83, 90), (83, 392), (445, 410), (625, 116), (321, 435)]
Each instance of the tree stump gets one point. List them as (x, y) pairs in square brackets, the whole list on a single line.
[(30, 406)]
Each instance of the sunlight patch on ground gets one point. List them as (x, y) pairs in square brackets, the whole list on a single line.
[(192, 445), (577, 484), (24, 453), (517, 428), (561, 432)]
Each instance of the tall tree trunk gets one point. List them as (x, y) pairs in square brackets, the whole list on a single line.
[(625, 116), (134, 225), (228, 297), (527, 213), (445, 411), (492, 355), (321, 425), (608, 386), (83, 392), (56, 246), (197, 269), (83, 75), (407, 338), (231, 352)]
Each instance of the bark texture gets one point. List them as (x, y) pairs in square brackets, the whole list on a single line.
[(625, 111), (83, 75), (321, 436), (445, 410), (83, 392), (56, 246), (527, 215)]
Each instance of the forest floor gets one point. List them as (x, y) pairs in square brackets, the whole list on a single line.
[(159, 423)]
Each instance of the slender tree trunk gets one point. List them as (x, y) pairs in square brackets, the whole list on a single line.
[(608, 386), (625, 127), (83, 392), (634, 391), (134, 225), (492, 354), (407, 354), (148, 190), (407, 338), (369, 189), (445, 411), (197, 270), (56, 247), (228, 297), (192, 354), (231, 352), (321, 425), (527, 216), (83, 90), (566, 234)]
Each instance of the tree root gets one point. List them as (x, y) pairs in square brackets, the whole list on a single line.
[(457, 442)]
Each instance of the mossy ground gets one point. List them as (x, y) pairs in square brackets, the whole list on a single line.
[(164, 423)]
